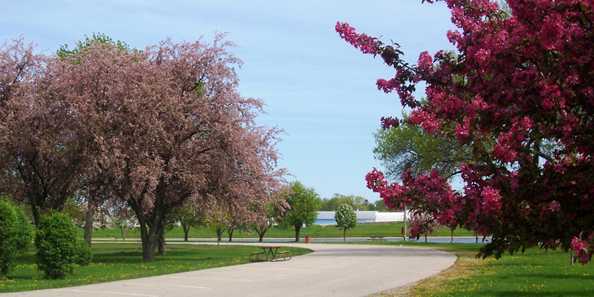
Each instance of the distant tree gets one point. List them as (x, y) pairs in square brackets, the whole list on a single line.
[(357, 202), (304, 203), (119, 216), (189, 216), (346, 218), (271, 212), (407, 146), (216, 218)]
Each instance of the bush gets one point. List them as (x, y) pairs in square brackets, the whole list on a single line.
[(83, 255), (24, 231), (58, 249), (8, 232)]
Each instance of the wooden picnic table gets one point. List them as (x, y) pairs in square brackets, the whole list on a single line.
[(271, 253)]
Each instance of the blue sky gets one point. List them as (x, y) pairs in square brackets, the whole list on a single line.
[(317, 88)]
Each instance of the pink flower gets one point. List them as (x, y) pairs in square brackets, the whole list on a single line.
[(424, 119), (365, 43), (425, 63), (463, 130), (386, 85), (482, 56), (376, 180), (491, 200)]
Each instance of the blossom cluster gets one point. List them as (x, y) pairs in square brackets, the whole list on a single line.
[(389, 122), (364, 42)]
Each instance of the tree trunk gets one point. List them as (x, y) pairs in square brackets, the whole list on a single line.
[(297, 230), (425, 238), (344, 235), (161, 242), (261, 232), (123, 231), (150, 229), (475, 237), (149, 241), (230, 234), (219, 235), (451, 235), (186, 228), (34, 212), (89, 218)]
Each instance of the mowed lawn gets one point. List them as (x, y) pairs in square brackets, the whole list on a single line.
[(362, 230), (536, 273), (124, 261)]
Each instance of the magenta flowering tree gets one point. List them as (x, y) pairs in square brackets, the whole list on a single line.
[(519, 91)]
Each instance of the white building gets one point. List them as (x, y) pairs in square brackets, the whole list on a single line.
[(327, 217)]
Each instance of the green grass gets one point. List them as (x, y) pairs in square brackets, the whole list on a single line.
[(362, 230), (534, 273), (124, 261)]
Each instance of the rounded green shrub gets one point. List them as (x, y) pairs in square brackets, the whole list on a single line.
[(8, 232), (58, 249)]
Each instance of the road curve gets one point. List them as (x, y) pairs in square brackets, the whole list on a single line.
[(331, 270)]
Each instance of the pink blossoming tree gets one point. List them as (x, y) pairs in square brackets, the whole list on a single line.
[(519, 91)]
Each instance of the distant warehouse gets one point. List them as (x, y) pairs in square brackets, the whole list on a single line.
[(327, 217)]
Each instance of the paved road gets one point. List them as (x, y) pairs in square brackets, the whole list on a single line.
[(331, 270)]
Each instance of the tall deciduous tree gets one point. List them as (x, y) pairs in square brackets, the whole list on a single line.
[(303, 205), (519, 91), (168, 122)]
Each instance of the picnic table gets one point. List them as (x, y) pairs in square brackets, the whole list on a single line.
[(271, 253)]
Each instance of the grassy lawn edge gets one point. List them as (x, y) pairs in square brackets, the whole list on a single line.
[(123, 261), (536, 272)]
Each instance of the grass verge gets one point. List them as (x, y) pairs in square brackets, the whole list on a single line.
[(124, 261), (534, 273)]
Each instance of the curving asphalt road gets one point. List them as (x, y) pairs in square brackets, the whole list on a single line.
[(331, 270)]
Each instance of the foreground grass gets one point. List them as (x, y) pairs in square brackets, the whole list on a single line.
[(362, 230), (534, 273), (124, 261)]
